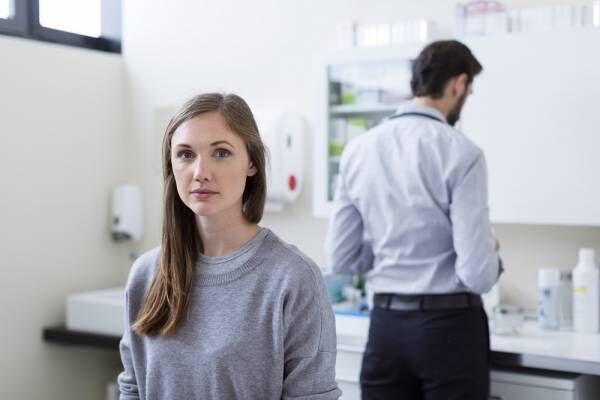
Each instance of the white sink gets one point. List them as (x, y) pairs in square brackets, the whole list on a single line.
[(100, 311)]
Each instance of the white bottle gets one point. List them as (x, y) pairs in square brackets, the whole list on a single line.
[(549, 298), (566, 300), (586, 300)]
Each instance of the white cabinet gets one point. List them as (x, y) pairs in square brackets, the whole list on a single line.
[(352, 334), (350, 390), (505, 385), (518, 385), (534, 112), (515, 384), (347, 371)]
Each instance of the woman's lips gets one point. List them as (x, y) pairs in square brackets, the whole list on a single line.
[(202, 194)]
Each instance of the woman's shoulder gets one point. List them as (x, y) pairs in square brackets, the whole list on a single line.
[(290, 260), (297, 275)]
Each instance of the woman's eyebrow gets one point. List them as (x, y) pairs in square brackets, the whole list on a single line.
[(218, 142)]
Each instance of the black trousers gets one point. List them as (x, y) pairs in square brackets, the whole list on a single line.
[(428, 355)]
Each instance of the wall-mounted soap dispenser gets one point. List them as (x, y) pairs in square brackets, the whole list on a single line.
[(127, 213)]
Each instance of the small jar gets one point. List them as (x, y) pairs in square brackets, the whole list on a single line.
[(508, 320)]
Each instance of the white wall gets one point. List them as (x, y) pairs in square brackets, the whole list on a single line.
[(64, 145)]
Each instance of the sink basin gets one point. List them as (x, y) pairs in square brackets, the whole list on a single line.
[(100, 311)]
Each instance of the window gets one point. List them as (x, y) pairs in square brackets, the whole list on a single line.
[(76, 16), (5, 10), (94, 24)]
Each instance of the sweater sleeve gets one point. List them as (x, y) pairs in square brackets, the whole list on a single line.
[(309, 341), (140, 275), (128, 387)]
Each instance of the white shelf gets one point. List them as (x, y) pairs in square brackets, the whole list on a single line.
[(349, 109)]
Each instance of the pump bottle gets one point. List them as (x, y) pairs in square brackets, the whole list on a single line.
[(586, 300)]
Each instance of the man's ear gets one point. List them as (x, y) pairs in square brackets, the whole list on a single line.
[(461, 84), (251, 169)]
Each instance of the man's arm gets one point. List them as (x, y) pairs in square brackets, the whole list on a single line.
[(477, 264), (346, 251)]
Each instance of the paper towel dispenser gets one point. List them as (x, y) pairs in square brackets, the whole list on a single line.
[(283, 136)]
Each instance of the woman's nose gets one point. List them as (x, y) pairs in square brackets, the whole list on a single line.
[(202, 170)]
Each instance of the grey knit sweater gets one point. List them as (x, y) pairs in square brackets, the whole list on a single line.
[(263, 330)]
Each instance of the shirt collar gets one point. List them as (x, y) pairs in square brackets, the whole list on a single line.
[(411, 107)]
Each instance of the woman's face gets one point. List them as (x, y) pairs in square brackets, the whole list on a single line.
[(210, 164)]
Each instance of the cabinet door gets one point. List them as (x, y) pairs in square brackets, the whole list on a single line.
[(509, 391), (348, 365), (350, 390), (534, 112)]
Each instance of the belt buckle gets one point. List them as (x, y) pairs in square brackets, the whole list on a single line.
[(408, 303)]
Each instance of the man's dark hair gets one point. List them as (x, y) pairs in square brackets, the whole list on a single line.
[(437, 63)]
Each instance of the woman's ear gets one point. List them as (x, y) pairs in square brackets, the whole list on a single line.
[(251, 169)]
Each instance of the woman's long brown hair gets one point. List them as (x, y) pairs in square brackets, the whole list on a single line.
[(168, 299)]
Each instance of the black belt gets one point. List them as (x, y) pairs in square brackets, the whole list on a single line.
[(400, 302)]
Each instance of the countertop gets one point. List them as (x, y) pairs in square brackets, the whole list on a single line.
[(531, 348)]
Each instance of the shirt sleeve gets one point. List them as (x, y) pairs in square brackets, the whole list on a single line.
[(347, 253), (309, 343), (127, 381), (477, 264)]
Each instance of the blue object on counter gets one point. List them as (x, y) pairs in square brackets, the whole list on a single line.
[(348, 308), (335, 284), (353, 313)]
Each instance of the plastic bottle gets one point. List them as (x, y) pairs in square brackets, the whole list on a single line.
[(566, 300), (586, 300), (549, 298)]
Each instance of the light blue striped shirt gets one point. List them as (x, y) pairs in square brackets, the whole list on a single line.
[(411, 209)]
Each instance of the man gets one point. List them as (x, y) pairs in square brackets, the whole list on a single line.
[(411, 211)]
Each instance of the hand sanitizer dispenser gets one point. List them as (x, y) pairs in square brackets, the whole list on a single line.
[(127, 215)]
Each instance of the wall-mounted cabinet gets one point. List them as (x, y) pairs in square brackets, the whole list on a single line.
[(362, 90), (535, 113)]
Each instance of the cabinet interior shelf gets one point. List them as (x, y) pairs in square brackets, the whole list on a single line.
[(349, 109)]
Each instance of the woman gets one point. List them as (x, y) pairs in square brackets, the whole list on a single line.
[(224, 309)]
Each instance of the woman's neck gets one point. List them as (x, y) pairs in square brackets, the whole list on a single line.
[(220, 236)]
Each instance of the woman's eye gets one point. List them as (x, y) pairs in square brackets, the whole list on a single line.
[(184, 154), (222, 153)]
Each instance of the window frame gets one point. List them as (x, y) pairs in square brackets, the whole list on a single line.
[(26, 24)]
